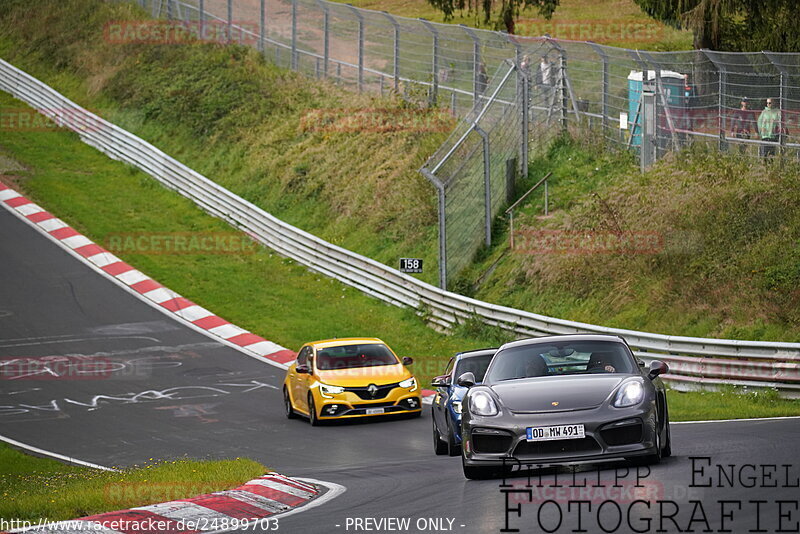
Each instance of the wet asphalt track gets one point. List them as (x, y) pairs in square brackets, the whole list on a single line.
[(166, 391)]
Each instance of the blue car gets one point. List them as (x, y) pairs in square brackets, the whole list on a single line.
[(446, 409)]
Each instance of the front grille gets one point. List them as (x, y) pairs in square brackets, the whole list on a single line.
[(561, 447), (380, 393), (622, 435), (490, 443)]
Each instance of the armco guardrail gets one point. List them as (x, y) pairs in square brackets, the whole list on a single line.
[(693, 360)]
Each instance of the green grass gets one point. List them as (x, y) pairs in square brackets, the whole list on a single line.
[(34, 488), (728, 403), (724, 259)]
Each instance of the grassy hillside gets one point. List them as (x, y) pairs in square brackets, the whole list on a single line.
[(711, 245), (297, 149)]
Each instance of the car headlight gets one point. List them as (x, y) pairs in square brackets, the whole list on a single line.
[(328, 391), (481, 403), (409, 383), (457, 407), (629, 394)]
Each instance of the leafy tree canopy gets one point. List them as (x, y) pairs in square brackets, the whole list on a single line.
[(733, 25), (507, 10)]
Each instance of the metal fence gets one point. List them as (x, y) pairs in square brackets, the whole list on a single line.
[(647, 102)]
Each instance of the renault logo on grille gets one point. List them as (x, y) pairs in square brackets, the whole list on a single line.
[(373, 390), (554, 403)]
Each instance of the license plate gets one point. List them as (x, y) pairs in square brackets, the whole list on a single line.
[(374, 411), (549, 433)]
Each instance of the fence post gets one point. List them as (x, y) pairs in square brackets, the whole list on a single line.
[(293, 62), (396, 54), (526, 86), (487, 184), (562, 70), (202, 19), (721, 75), (784, 75), (229, 24), (476, 62), (442, 225), (604, 106), (659, 89), (169, 9), (360, 18), (435, 64), (262, 26), (326, 36)]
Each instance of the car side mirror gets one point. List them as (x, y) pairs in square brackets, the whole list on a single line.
[(467, 380), (407, 360), (441, 381), (657, 367), (303, 369)]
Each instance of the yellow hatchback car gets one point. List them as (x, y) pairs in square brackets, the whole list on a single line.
[(349, 378)]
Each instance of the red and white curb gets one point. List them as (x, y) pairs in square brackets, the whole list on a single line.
[(147, 289), (151, 291), (256, 504)]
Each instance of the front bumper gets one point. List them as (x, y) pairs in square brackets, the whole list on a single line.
[(349, 405), (609, 433)]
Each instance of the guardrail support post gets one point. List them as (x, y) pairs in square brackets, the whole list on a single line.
[(435, 63)]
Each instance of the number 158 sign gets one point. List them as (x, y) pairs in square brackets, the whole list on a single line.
[(410, 265)]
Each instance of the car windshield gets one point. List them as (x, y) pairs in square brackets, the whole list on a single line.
[(350, 356), (476, 365), (561, 358)]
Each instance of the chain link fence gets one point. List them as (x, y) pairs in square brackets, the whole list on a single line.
[(647, 102)]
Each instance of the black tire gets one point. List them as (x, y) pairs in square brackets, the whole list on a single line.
[(667, 452), (478, 472), (312, 412), (439, 445), (453, 448), (287, 403)]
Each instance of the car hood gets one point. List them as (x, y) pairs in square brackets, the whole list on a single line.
[(364, 376), (570, 392)]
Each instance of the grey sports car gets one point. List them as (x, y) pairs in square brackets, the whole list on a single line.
[(561, 399)]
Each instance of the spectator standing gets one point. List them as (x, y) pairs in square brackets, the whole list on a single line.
[(483, 78), (742, 123), (769, 128)]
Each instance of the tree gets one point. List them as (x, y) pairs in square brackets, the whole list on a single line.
[(734, 25), (507, 10)]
